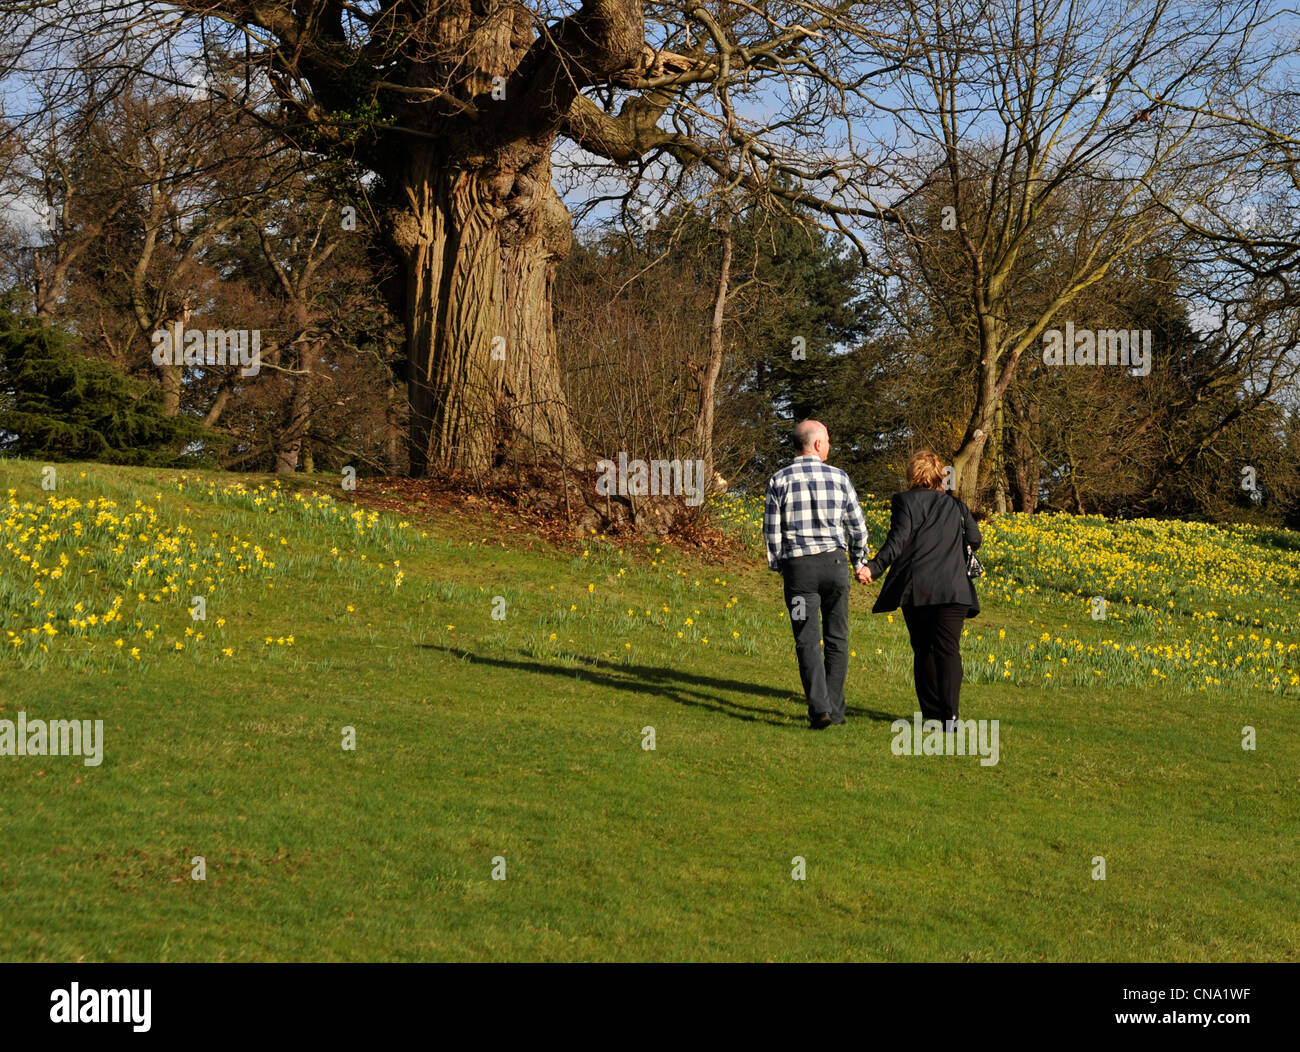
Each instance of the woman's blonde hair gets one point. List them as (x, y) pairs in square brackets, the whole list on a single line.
[(925, 470)]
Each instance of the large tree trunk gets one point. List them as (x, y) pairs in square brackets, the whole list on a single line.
[(480, 248)]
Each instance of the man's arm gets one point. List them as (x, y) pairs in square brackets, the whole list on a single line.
[(772, 526), (857, 525)]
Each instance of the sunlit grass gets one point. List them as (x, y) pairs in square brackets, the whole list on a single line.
[(499, 697)]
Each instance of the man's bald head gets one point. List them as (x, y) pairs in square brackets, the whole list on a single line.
[(808, 436)]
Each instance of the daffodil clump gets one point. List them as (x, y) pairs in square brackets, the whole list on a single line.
[(98, 578), (1189, 603)]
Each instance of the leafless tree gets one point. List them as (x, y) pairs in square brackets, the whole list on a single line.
[(1017, 112)]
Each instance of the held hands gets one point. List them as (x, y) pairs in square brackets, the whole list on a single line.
[(864, 574)]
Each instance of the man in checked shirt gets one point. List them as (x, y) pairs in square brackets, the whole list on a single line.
[(809, 503)]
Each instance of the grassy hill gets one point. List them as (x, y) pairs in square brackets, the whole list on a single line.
[(500, 692)]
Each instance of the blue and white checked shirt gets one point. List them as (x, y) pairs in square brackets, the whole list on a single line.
[(808, 505)]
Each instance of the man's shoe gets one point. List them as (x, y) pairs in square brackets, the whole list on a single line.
[(820, 722)]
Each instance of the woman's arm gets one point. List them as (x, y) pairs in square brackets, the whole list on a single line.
[(900, 532), (973, 535)]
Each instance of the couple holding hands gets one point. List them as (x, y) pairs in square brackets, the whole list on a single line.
[(809, 506)]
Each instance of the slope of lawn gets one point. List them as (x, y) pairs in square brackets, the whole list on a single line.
[(501, 691)]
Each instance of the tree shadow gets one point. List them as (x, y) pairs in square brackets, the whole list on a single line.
[(684, 688)]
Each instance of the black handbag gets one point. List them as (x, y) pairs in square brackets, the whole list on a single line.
[(974, 568)]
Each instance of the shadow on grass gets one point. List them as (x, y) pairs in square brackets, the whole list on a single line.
[(685, 688)]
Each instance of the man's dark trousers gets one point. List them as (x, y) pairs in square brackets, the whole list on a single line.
[(936, 656), (819, 585)]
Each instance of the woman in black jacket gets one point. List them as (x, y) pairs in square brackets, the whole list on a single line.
[(925, 554)]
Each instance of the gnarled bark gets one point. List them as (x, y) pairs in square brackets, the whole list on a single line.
[(480, 248)]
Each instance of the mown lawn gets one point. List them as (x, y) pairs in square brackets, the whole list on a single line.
[(520, 737)]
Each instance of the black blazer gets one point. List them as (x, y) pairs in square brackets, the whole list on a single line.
[(925, 552)]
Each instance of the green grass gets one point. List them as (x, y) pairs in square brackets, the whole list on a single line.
[(522, 738)]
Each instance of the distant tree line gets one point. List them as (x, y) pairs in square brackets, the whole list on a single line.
[(811, 332), (161, 213)]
